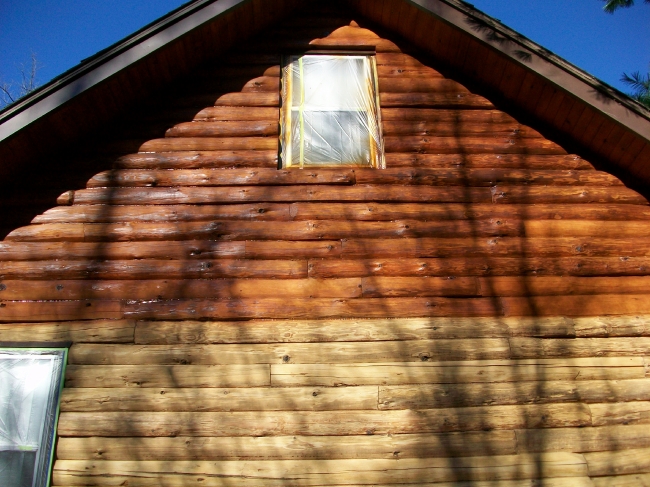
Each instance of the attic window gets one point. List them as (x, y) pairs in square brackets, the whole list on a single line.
[(30, 386), (330, 111)]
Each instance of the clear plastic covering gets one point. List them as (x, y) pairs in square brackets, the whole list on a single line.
[(30, 384), (330, 113)]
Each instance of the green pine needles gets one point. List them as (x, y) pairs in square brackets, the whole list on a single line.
[(612, 5), (639, 83), (641, 86)]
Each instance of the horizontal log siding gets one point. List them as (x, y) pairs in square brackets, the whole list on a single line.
[(479, 311)]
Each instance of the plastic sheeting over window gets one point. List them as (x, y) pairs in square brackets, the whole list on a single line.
[(330, 111), (30, 385)]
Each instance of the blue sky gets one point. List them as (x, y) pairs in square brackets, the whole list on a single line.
[(63, 32)]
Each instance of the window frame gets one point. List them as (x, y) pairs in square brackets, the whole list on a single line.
[(44, 459), (376, 146)]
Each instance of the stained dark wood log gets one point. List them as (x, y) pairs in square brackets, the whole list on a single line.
[(24, 251), (485, 177), (220, 177), (398, 59), (35, 311), (420, 85), (515, 161), (198, 159), (498, 266), (188, 195), (534, 195), (589, 305), (402, 71), (250, 99), (497, 194), (154, 269), (204, 288), (237, 113), (209, 144), (423, 211), (536, 286), (468, 144), (433, 100), (314, 308), (506, 286), (442, 129), (167, 213), (496, 247), (461, 116), (246, 128), (299, 230)]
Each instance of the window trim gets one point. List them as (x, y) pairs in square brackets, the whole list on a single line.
[(286, 91), (45, 459)]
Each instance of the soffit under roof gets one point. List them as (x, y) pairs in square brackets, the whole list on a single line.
[(502, 63)]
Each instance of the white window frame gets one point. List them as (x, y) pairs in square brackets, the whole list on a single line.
[(32, 426)]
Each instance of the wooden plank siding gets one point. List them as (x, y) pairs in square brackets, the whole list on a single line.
[(476, 314)]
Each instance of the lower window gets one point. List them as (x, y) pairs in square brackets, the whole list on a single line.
[(30, 386)]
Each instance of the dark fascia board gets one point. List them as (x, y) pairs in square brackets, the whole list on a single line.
[(107, 63), (535, 58)]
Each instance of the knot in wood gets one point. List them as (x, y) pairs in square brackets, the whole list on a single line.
[(286, 359), (3, 287)]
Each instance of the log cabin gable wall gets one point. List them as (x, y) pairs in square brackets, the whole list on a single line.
[(483, 301)]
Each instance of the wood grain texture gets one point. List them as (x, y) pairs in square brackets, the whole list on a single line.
[(287, 448), (458, 374), (220, 399), (353, 330), (541, 392), (191, 289), (606, 439), (324, 472), (290, 353), (166, 376), (317, 423), (96, 331)]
